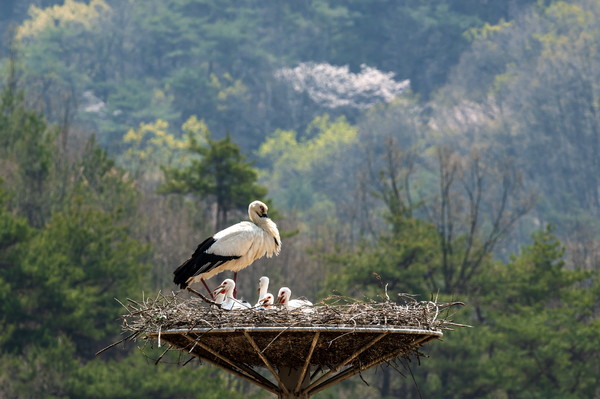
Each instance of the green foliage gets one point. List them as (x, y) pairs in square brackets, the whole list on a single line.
[(27, 152), (303, 168), (537, 275), (82, 259), (532, 308), (532, 322), (171, 59), (68, 219), (542, 313), (54, 372), (59, 281), (73, 271), (57, 267), (113, 379), (151, 147), (67, 276), (39, 371), (102, 185), (221, 172), (399, 261), (55, 39), (538, 72), (132, 102), (14, 233)]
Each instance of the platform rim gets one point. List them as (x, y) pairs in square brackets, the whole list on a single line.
[(388, 329)]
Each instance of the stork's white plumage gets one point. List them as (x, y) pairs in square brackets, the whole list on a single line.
[(233, 248), (263, 287), (283, 298), (219, 298), (230, 303)]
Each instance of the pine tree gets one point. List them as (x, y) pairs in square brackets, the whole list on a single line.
[(221, 172)]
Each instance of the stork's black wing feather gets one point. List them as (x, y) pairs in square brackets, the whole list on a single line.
[(199, 262)]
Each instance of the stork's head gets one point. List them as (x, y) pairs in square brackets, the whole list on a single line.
[(267, 301), (226, 287), (284, 295), (257, 209), (263, 281)]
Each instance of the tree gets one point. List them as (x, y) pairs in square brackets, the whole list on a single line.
[(534, 80), (477, 204), (152, 146), (14, 234), (168, 223), (305, 166), (59, 280), (112, 379), (112, 65), (27, 151), (79, 252), (534, 309), (472, 203), (335, 87), (68, 277), (221, 172)]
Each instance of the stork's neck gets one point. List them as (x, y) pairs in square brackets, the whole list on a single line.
[(255, 218), (262, 292), (267, 225)]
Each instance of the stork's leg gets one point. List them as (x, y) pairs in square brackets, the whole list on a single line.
[(208, 289), (235, 281)]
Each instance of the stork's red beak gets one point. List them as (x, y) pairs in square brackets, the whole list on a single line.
[(219, 290)]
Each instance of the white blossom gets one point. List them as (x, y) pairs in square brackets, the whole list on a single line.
[(92, 104), (332, 86)]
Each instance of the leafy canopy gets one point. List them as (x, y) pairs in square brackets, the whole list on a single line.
[(220, 172)]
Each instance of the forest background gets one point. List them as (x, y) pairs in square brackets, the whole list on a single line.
[(442, 148)]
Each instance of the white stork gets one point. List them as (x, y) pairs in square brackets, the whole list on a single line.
[(266, 302), (263, 286), (283, 298), (230, 303), (233, 248)]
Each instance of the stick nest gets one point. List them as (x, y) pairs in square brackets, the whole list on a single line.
[(344, 327), (177, 312)]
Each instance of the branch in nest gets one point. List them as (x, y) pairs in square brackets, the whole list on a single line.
[(205, 299), (130, 336), (450, 323)]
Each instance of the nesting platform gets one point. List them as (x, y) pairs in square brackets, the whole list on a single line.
[(293, 354)]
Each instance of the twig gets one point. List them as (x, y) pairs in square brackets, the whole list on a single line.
[(116, 343), (205, 299)]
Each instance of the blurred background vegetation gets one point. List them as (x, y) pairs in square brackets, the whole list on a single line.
[(441, 148)]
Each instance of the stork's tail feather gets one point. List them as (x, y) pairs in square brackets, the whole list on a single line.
[(183, 273), (190, 267)]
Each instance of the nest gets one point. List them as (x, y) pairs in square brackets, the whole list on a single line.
[(284, 335), (337, 338), (174, 312)]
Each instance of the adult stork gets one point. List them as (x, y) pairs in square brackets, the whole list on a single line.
[(233, 248), (283, 298), (230, 303)]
